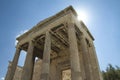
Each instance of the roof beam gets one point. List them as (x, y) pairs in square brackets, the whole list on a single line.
[(59, 38)]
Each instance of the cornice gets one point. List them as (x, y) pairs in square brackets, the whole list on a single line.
[(47, 20)]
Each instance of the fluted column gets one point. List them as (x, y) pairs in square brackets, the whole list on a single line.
[(74, 54), (86, 59), (95, 65), (46, 58), (13, 64), (29, 63)]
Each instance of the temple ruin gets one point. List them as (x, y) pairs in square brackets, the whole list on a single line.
[(64, 48)]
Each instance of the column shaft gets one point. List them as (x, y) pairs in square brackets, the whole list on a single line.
[(13, 65), (86, 59), (29, 63), (95, 65), (46, 58), (74, 54), (82, 64)]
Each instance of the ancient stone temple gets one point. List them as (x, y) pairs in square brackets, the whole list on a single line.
[(64, 48)]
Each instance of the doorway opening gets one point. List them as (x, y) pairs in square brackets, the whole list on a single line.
[(66, 74)]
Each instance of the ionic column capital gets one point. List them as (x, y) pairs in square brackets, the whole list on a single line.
[(18, 46), (82, 36)]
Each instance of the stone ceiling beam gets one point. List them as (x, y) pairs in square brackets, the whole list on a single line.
[(59, 38)]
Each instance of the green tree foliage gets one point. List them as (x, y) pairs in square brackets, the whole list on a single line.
[(111, 73)]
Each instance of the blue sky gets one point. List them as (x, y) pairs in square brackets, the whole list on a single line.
[(17, 16)]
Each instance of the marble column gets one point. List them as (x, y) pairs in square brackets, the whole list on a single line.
[(86, 59), (82, 64), (95, 66), (46, 58), (13, 66), (29, 63), (74, 54)]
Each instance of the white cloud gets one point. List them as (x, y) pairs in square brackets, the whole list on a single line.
[(2, 78), (19, 34)]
